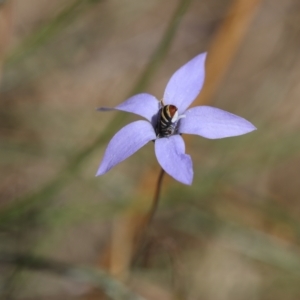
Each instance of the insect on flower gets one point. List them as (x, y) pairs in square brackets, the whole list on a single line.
[(167, 120)]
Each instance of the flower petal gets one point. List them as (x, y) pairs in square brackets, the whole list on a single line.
[(144, 105), (186, 83), (170, 155), (125, 142), (213, 123)]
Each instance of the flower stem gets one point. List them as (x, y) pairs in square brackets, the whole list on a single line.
[(156, 197), (140, 238)]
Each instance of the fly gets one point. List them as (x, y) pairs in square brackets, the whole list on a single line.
[(167, 121)]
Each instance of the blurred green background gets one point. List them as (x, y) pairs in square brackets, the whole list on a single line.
[(233, 234)]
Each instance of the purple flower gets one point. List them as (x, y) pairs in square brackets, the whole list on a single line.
[(166, 120)]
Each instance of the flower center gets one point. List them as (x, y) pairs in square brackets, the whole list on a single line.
[(167, 121)]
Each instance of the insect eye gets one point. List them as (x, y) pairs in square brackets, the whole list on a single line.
[(172, 110)]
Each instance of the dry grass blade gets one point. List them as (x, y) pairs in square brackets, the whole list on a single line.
[(225, 44)]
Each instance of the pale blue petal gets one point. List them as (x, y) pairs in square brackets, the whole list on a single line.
[(170, 155), (144, 105), (186, 83), (126, 142), (213, 123)]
